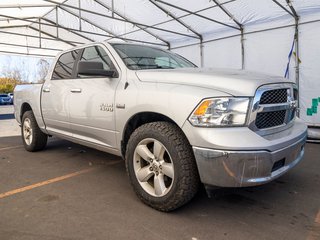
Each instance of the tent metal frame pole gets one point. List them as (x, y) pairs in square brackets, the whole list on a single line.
[(120, 19), (230, 15), (13, 26), (184, 25), (112, 7), (57, 21), (33, 36), (40, 32), (21, 19), (33, 47), (283, 8), (28, 54), (247, 33), (27, 6), (297, 56), (242, 39), (241, 28), (195, 14), (126, 18), (80, 25)]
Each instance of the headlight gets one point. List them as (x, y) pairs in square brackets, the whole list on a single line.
[(223, 111)]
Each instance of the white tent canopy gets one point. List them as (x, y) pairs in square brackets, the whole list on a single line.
[(273, 36)]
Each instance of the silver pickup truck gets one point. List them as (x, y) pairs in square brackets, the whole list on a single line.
[(175, 125)]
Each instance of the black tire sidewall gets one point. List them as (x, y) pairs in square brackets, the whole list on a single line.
[(39, 139), (155, 202)]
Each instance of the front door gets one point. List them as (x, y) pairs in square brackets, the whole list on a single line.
[(92, 102)]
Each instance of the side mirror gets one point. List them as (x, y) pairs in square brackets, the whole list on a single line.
[(95, 69)]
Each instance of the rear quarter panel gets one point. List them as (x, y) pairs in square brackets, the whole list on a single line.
[(28, 94)]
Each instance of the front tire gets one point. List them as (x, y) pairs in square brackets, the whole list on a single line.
[(33, 138), (161, 166)]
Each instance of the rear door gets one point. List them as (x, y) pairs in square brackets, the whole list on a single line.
[(56, 92), (92, 101)]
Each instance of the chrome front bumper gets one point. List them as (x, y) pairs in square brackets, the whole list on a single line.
[(225, 168)]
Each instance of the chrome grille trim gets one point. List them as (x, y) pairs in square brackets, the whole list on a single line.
[(290, 106)]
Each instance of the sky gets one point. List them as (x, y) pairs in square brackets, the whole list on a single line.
[(25, 64)]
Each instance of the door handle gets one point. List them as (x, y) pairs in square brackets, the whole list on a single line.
[(46, 90), (76, 90)]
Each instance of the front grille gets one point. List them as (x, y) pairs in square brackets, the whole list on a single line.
[(274, 96), (273, 108), (270, 119)]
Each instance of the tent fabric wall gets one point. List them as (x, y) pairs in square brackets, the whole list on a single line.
[(249, 34)]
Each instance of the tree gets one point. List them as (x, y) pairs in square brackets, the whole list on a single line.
[(8, 84), (43, 68)]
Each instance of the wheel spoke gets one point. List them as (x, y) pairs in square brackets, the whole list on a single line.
[(159, 186), (27, 124), (144, 152), (167, 169), (144, 174), (158, 149)]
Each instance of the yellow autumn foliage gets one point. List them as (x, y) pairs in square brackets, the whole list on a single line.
[(8, 84)]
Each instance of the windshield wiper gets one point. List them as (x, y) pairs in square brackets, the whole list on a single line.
[(149, 66)]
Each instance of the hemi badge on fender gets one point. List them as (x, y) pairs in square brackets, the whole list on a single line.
[(118, 105)]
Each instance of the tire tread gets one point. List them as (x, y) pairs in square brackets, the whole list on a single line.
[(188, 183), (40, 139)]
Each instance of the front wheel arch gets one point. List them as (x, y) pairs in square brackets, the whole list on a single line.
[(138, 120)]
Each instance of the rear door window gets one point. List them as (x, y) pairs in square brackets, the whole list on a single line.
[(64, 66)]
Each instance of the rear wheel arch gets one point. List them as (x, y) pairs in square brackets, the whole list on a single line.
[(24, 108)]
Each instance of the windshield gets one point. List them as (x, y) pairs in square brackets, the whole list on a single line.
[(138, 57)]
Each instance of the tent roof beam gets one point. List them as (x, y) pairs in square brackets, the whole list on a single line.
[(28, 54), (88, 21), (78, 32), (195, 14), (175, 18), (32, 47), (50, 35), (27, 6), (293, 10), (81, 31), (229, 14), (13, 26), (283, 8), (33, 36), (127, 19), (121, 19), (59, 26), (185, 15)]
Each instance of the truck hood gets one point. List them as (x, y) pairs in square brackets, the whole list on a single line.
[(234, 82)]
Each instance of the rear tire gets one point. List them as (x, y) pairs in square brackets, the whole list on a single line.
[(33, 138), (161, 166)]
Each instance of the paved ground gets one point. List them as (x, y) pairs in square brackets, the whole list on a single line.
[(72, 192), (8, 127)]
